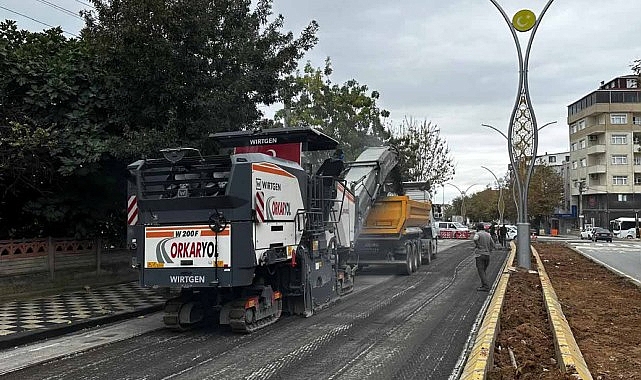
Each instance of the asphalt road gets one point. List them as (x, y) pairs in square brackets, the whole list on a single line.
[(621, 255), (391, 327)]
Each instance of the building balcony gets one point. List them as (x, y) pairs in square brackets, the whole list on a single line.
[(596, 169), (595, 149)]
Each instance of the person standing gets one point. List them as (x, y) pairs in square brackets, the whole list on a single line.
[(503, 236), (483, 246)]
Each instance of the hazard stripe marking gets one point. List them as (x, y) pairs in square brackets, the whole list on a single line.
[(132, 210)]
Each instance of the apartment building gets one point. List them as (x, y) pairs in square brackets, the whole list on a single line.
[(605, 154)]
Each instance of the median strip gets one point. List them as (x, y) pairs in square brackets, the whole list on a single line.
[(568, 353)]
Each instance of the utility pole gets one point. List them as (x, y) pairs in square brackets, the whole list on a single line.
[(582, 188)]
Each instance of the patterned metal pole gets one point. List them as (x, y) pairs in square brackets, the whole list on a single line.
[(522, 131)]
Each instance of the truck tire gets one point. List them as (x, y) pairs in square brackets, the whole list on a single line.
[(418, 252), (409, 259), (428, 252)]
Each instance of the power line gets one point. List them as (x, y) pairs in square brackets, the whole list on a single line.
[(61, 9), (33, 19), (85, 4)]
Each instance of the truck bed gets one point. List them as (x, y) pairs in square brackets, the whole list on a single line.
[(391, 215)]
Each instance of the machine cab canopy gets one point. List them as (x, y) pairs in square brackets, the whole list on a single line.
[(286, 143)]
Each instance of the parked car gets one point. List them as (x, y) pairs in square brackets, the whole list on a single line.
[(602, 234), (511, 232), (587, 233)]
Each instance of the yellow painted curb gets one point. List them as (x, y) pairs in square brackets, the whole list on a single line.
[(481, 359), (567, 351)]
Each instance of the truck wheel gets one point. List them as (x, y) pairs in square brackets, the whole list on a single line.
[(428, 256), (418, 250), (409, 259)]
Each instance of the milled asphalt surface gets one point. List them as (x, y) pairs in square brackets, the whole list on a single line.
[(434, 309)]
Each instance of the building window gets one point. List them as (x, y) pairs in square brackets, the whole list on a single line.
[(637, 159), (619, 139), (618, 118), (631, 83), (620, 180), (619, 159), (552, 159), (623, 197), (573, 128), (636, 120), (574, 165), (584, 162), (582, 144), (637, 180), (581, 125), (573, 147)]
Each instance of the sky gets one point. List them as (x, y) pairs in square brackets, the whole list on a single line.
[(452, 63)]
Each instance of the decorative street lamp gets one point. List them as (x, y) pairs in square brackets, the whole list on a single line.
[(512, 175), (500, 205), (522, 131), (463, 194)]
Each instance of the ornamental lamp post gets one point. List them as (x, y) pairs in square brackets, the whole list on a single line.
[(500, 205), (522, 130), (463, 194)]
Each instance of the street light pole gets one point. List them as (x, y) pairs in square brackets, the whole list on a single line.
[(522, 131), (463, 194), (500, 205), (582, 188), (513, 171)]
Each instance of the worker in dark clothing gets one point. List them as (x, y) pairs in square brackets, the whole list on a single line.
[(503, 236), (332, 166), (483, 246)]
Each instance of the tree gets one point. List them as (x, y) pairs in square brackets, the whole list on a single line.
[(347, 112), (636, 67), (53, 132), (144, 75), (186, 69), (425, 156), (544, 194), (482, 205)]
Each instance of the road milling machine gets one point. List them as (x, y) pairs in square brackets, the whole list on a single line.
[(244, 236)]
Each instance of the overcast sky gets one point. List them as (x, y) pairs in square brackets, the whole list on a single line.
[(451, 62)]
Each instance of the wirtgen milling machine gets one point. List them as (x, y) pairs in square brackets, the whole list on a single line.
[(247, 235)]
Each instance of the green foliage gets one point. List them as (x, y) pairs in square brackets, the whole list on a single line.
[(636, 67), (347, 112), (425, 156), (53, 133), (544, 195), (144, 75), (186, 69)]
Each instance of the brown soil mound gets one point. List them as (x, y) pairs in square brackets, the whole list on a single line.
[(603, 310)]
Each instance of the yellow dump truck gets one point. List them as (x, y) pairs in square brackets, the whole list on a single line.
[(398, 230)]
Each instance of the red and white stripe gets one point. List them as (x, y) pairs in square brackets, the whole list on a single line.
[(260, 206), (132, 210)]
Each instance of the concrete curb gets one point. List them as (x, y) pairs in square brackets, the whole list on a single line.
[(25, 337), (481, 358), (568, 353)]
